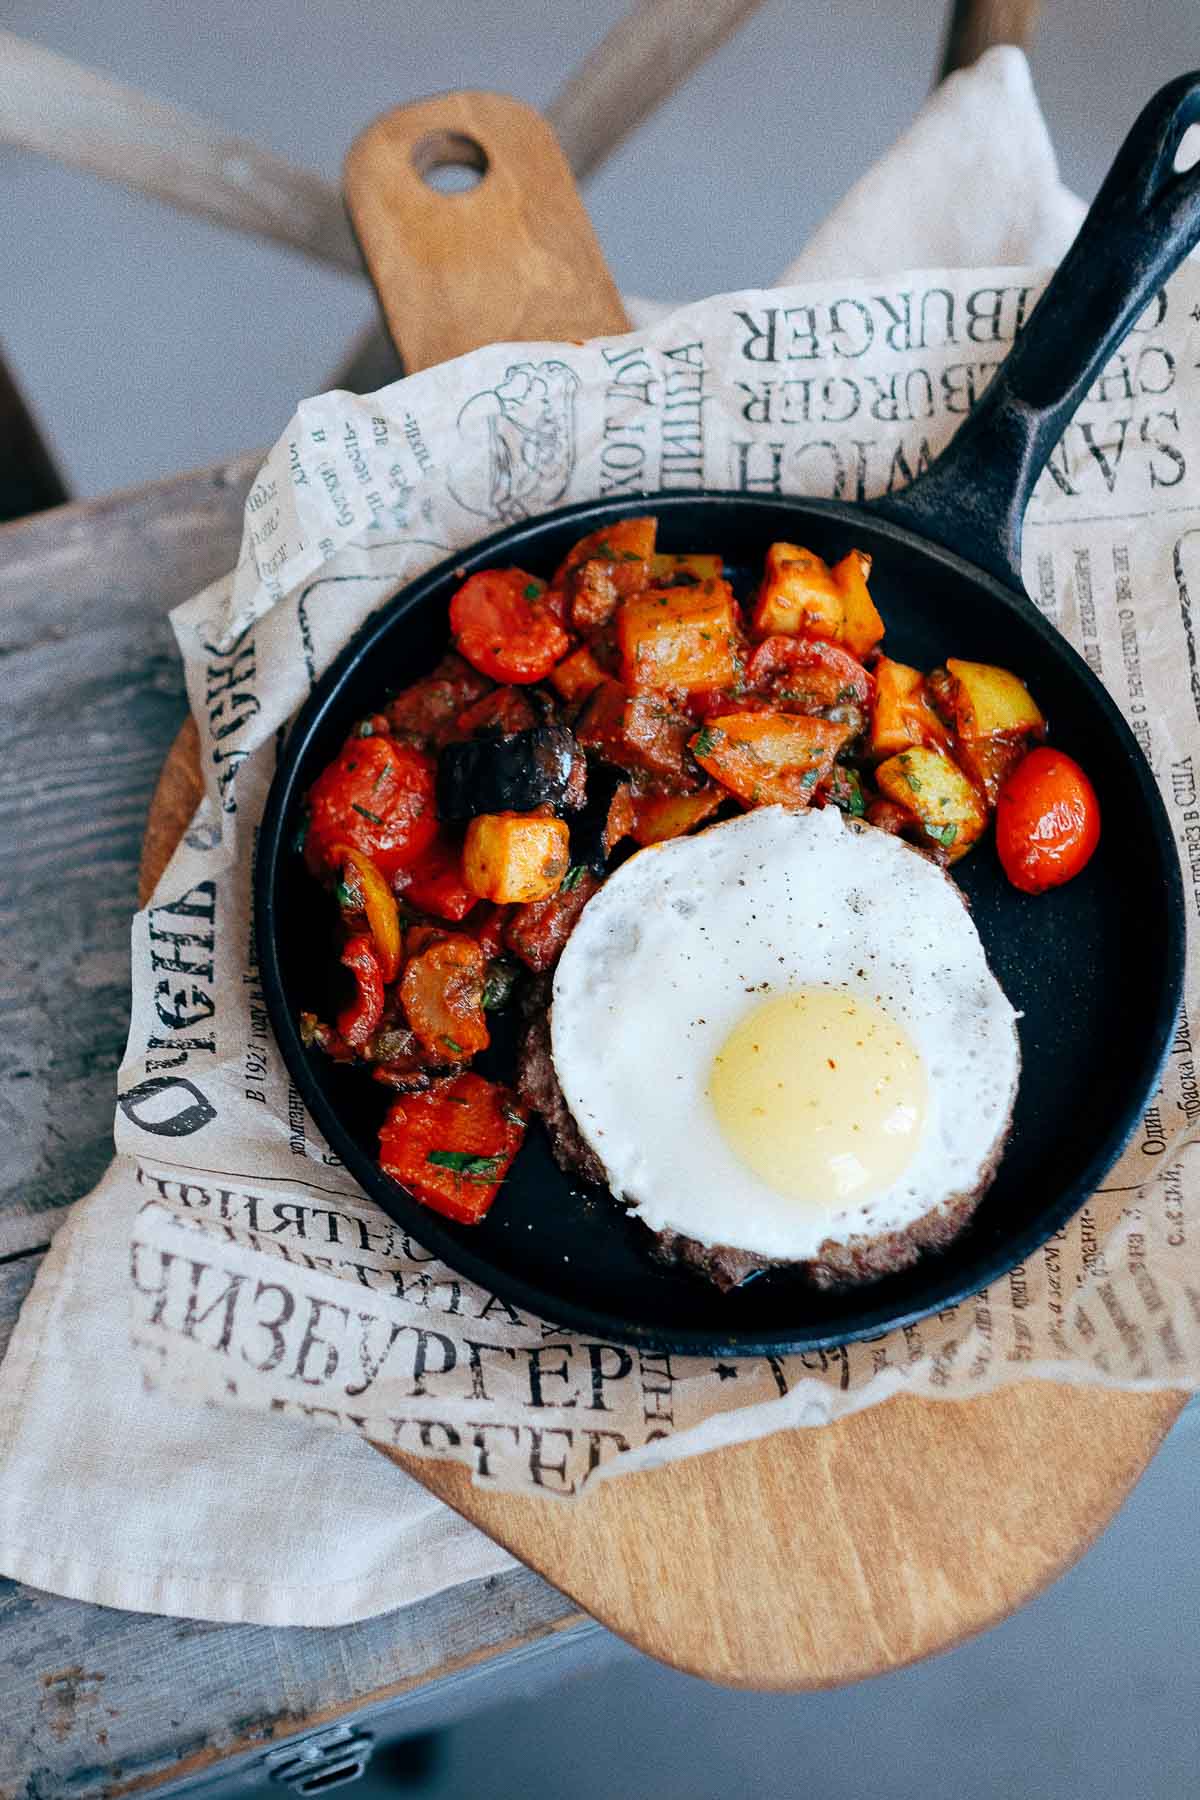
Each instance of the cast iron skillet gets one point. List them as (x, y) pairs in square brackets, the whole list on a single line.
[(1096, 968)]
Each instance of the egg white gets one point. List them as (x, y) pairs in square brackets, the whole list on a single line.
[(686, 937)]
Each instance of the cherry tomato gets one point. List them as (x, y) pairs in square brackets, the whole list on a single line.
[(1047, 821), (358, 1022), (505, 626), (377, 798)]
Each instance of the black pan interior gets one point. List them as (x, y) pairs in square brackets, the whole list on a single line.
[(1095, 968)]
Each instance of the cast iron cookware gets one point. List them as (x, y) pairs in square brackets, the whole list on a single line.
[(1095, 968)]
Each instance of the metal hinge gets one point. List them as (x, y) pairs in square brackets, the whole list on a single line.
[(317, 1765)]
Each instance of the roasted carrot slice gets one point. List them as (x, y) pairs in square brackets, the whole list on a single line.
[(441, 992)]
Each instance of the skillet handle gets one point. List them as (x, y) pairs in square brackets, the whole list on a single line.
[(1145, 220)]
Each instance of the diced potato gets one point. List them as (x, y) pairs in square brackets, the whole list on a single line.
[(934, 789), (679, 639), (862, 626), (577, 675), (902, 714), (798, 593), (769, 758), (988, 699), (513, 856), (664, 568), (657, 817)]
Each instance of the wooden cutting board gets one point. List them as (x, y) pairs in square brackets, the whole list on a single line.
[(812, 1557)]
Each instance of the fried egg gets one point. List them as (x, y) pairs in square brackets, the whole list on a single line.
[(782, 1033)]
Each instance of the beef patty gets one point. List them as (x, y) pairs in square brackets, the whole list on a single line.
[(856, 1261)]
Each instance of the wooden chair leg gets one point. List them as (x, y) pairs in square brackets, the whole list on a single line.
[(29, 481), (976, 25)]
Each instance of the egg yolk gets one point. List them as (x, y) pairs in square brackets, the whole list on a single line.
[(821, 1093)]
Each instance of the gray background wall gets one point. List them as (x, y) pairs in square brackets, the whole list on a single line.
[(151, 342)]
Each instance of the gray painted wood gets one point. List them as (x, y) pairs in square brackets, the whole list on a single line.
[(93, 695), (93, 1701)]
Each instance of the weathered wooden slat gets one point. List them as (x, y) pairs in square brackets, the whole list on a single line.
[(83, 118), (98, 1703), (16, 1279), (93, 695), (101, 1704), (646, 56), (95, 1702)]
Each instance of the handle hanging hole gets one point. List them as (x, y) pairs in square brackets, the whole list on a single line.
[(449, 161)]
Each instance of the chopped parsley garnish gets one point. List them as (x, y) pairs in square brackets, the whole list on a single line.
[(464, 1162), (911, 779), (809, 777), (533, 590), (362, 811), (630, 556), (607, 552), (847, 792), (844, 694), (498, 987), (513, 1116), (451, 1044), (366, 729), (942, 834), (705, 740), (572, 878), (347, 897)]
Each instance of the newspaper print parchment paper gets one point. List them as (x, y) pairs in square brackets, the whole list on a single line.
[(259, 1275)]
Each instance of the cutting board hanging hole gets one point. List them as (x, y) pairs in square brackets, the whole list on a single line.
[(449, 161)]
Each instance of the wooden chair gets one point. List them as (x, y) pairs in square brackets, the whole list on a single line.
[(88, 121)]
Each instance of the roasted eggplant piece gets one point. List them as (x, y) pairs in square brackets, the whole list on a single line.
[(592, 841), (515, 773)]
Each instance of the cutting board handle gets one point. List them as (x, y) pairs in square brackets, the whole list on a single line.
[(512, 256)]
